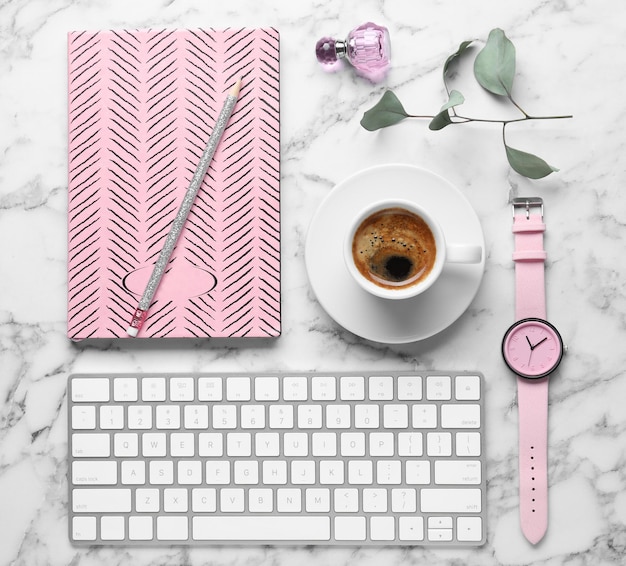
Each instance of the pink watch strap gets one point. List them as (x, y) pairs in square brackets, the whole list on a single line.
[(532, 395)]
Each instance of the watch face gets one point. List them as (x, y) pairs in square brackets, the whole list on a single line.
[(532, 348)]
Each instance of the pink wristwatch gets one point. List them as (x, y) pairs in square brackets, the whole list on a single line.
[(532, 348)]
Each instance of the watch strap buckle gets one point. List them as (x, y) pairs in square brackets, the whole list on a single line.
[(526, 203)]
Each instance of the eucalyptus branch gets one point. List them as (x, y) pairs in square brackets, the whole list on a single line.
[(494, 69)]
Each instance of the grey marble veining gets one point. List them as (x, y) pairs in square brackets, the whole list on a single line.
[(570, 60)]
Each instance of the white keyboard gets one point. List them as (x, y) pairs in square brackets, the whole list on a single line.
[(385, 458)]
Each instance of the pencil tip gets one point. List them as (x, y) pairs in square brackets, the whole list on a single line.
[(235, 90)]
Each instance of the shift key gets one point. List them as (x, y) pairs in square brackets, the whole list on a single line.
[(454, 500), (101, 500)]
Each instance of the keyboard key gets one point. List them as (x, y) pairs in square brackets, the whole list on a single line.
[(469, 529), (111, 417), (375, 500), (382, 444), (460, 416), (424, 416), (232, 500), (147, 500), (140, 417), (462, 472), (352, 388), (317, 500), (323, 444), (410, 444), (89, 472), (350, 528), (140, 528), (125, 444), (309, 416), (264, 529), (366, 416), (395, 416), (438, 388), (204, 500), (281, 416), (210, 389), (338, 416), (323, 388), (168, 417), (189, 472), (181, 389), (91, 445), (439, 444), (253, 416), (153, 389), (84, 528), (175, 500), (382, 528), (404, 500), (238, 389), (133, 472), (261, 500), (467, 443), (172, 528), (289, 500), (90, 390), (331, 472), (346, 500), (161, 472), (196, 417), (125, 389), (112, 527), (380, 388), (108, 500), (467, 387), (409, 388), (411, 528), (450, 500), (266, 389), (352, 444), (83, 417), (295, 389)]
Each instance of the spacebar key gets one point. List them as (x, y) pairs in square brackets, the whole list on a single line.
[(261, 528)]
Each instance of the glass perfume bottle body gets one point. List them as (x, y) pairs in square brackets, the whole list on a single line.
[(367, 48)]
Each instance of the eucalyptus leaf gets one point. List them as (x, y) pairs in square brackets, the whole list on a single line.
[(440, 121), (443, 119), (456, 54), (494, 66), (528, 164), (387, 112)]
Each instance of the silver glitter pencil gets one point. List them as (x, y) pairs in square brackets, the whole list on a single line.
[(141, 312)]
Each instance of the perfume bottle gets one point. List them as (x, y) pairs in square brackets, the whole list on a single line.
[(367, 48)]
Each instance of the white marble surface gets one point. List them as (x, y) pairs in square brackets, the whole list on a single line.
[(571, 59)]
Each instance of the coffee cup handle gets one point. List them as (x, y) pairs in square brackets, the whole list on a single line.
[(463, 253)]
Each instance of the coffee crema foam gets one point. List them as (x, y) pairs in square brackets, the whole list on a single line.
[(394, 248)]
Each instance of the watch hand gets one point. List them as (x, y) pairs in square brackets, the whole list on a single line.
[(531, 346), (540, 342)]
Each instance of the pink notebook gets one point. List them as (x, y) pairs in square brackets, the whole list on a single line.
[(142, 105)]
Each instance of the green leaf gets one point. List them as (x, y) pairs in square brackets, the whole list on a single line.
[(494, 66), (387, 112), (456, 54), (441, 120), (527, 164)]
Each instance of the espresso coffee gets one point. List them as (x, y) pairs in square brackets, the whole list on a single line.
[(394, 248)]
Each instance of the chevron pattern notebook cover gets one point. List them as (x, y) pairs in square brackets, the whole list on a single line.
[(142, 105)]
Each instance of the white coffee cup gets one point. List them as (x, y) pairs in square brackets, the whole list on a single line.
[(397, 239)]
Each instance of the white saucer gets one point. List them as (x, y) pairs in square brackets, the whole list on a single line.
[(383, 320)]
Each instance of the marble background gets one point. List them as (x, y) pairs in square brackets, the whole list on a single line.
[(571, 59)]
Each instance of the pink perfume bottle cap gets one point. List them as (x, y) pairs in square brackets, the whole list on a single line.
[(367, 48)]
